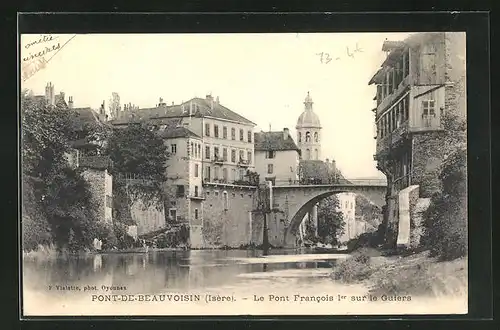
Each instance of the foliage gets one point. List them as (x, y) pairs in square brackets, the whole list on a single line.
[(70, 209), (367, 240), (445, 221), (57, 203), (330, 220), (371, 212), (138, 151), (355, 268)]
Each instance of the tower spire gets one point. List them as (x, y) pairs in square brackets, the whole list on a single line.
[(308, 102)]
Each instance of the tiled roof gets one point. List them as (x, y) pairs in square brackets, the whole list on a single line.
[(177, 132), (317, 169), (267, 141), (198, 107), (84, 116)]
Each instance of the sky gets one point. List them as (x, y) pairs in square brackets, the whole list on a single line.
[(263, 77)]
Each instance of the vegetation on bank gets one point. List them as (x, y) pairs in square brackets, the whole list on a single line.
[(58, 211), (439, 265)]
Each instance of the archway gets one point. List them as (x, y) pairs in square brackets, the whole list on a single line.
[(291, 231)]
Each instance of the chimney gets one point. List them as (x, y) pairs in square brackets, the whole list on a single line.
[(210, 100), (62, 95), (70, 102), (162, 104), (285, 133), (49, 94)]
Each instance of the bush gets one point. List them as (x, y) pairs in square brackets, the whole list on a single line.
[(445, 221), (367, 240), (355, 268)]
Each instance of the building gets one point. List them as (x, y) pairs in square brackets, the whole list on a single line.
[(309, 132), (209, 145), (276, 157), (421, 80), (347, 205)]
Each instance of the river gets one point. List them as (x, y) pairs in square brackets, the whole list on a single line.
[(203, 282)]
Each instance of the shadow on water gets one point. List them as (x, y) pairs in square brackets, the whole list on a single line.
[(153, 272)]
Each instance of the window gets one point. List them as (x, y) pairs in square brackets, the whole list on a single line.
[(224, 154), (315, 136), (233, 156), (192, 150), (242, 174), (241, 135), (308, 136), (207, 152), (300, 137), (173, 214), (173, 149), (180, 191), (224, 132), (196, 169), (249, 136), (249, 157), (109, 201), (216, 173), (270, 169), (308, 154), (226, 200), (216, 131), (207, 173), (196, 214), (242, 153), (224, 174), (233, 133), (233, 174), (207, 129), (428, 108), (195, 191), (216, 152), (199, 150), (316, 154), (270, 154)]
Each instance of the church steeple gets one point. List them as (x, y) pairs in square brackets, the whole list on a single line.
[(308, 102)]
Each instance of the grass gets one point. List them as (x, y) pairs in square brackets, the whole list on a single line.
[(417, 275)]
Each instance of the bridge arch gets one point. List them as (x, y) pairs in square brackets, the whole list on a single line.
[(299, 200)]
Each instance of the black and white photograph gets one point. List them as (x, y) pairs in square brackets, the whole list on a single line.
[(184, 174)]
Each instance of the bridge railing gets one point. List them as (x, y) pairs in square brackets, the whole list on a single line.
[(339, 181)]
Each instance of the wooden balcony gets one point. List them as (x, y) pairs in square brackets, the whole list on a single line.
[(394, 96), (392, 138)]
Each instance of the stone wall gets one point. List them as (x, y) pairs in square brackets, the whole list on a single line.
[(147, 218), (97, 183), (427, 156), (227, 216)]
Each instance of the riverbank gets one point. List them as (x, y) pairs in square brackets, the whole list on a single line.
[(412, 275)]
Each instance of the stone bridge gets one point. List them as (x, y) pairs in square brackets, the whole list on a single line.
[(295, 201)]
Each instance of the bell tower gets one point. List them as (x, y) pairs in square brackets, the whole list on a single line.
[(309, 132)]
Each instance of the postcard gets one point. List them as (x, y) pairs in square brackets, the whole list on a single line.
[(243, 174)]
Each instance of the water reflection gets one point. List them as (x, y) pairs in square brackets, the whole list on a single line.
[(153, 272)]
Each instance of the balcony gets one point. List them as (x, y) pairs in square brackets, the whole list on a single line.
[(392, 138), (243, 163), (218, 160), (396, 94), (196, 197)]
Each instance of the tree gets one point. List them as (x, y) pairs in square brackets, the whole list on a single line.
[(330, 221), (138, 151), (56, 201), (445, 221)]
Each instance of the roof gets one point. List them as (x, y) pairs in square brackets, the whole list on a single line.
[(177, 132), (267, 141), (318, 169), (84, 116), (196, 107), (308, 119), (389, 45)]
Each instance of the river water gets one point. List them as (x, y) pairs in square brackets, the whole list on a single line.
[(207, 282)]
